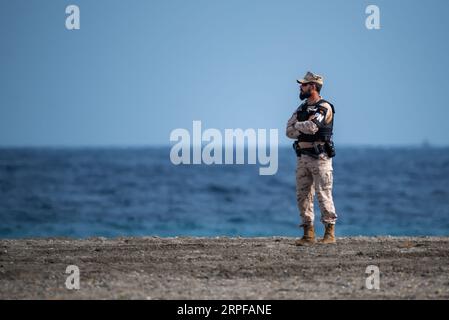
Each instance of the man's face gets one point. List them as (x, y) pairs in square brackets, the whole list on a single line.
[(305, 90)]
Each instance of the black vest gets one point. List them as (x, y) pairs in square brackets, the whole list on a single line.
[(325, 131)]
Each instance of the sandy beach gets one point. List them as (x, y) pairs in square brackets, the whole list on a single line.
[(224, 268)]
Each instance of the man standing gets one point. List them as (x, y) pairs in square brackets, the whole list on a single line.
[(312, 125)]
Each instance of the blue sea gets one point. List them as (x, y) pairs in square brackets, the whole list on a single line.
[(84, 192)]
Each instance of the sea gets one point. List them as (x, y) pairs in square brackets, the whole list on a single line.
[(137, 191)]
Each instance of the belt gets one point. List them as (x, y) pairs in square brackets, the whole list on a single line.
[(313, 152)]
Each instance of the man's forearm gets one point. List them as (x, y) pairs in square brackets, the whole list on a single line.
[(307, 127), (291, 131)]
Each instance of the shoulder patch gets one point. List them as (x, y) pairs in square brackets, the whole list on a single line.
[(328, 106), (320, 115), (325, 105)]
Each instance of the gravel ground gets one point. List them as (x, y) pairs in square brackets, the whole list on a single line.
[(224, 268)]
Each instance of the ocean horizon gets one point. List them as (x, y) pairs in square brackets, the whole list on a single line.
[(88, 191)]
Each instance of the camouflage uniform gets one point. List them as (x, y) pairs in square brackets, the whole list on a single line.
[(313, 175)]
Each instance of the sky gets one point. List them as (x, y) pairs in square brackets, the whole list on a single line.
[(136, 70)]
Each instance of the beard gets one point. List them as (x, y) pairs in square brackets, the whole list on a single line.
[(304, 95)]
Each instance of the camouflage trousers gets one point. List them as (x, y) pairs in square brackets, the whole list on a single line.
[(315, 175)]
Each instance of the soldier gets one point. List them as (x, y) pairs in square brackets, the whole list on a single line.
[(311, 124)]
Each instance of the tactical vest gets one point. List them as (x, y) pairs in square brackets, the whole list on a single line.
[(325, 131)]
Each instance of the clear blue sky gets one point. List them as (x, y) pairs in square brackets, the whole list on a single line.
[(138, 69)]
